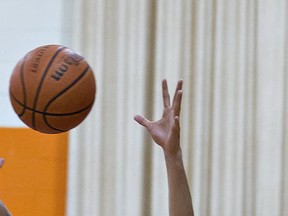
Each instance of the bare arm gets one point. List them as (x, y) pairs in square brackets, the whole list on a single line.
[(3, 210), (166, 133)]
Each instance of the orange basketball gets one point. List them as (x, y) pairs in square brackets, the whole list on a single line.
[(52, 89)]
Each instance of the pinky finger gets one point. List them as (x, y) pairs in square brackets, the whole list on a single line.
[(176, 123), (176, 130)]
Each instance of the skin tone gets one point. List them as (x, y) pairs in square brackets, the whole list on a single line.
[(3, 210), (166, 133), (1, 162)]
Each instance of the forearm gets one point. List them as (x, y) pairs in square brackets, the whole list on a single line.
[(180, 201), (3, 210)]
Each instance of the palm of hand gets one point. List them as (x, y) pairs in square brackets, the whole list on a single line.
[(161, 129)]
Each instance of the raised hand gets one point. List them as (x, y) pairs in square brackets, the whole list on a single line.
[(166, 131)]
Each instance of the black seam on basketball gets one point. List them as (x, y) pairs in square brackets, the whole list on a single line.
[(74, 113), (57, 129), (62, 92), (18, 102), (23, 87), (60, 130), (48, 113), (41, 84)]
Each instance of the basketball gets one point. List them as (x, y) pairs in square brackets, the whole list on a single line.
[(52, 89)]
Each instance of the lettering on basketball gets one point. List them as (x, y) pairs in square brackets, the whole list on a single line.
[(72, 59), (39, 55)]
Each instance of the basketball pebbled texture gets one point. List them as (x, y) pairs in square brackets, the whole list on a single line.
[(52, 89)]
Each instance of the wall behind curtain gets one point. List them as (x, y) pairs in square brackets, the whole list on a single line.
[(25, 25), (232, 56)]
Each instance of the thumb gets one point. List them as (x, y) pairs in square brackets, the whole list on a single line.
[(142, 120)]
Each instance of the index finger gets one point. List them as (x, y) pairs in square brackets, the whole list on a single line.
[(165, 93)]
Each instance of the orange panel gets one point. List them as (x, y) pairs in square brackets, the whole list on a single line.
[(33, 178)]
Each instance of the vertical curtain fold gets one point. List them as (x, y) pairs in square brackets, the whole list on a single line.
[(232, 56)]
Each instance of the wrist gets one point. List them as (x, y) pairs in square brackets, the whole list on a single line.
[(173, 157)]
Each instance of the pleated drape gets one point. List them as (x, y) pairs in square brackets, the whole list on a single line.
[(232, 56)]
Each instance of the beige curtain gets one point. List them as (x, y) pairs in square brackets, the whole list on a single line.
[(232, 56)]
